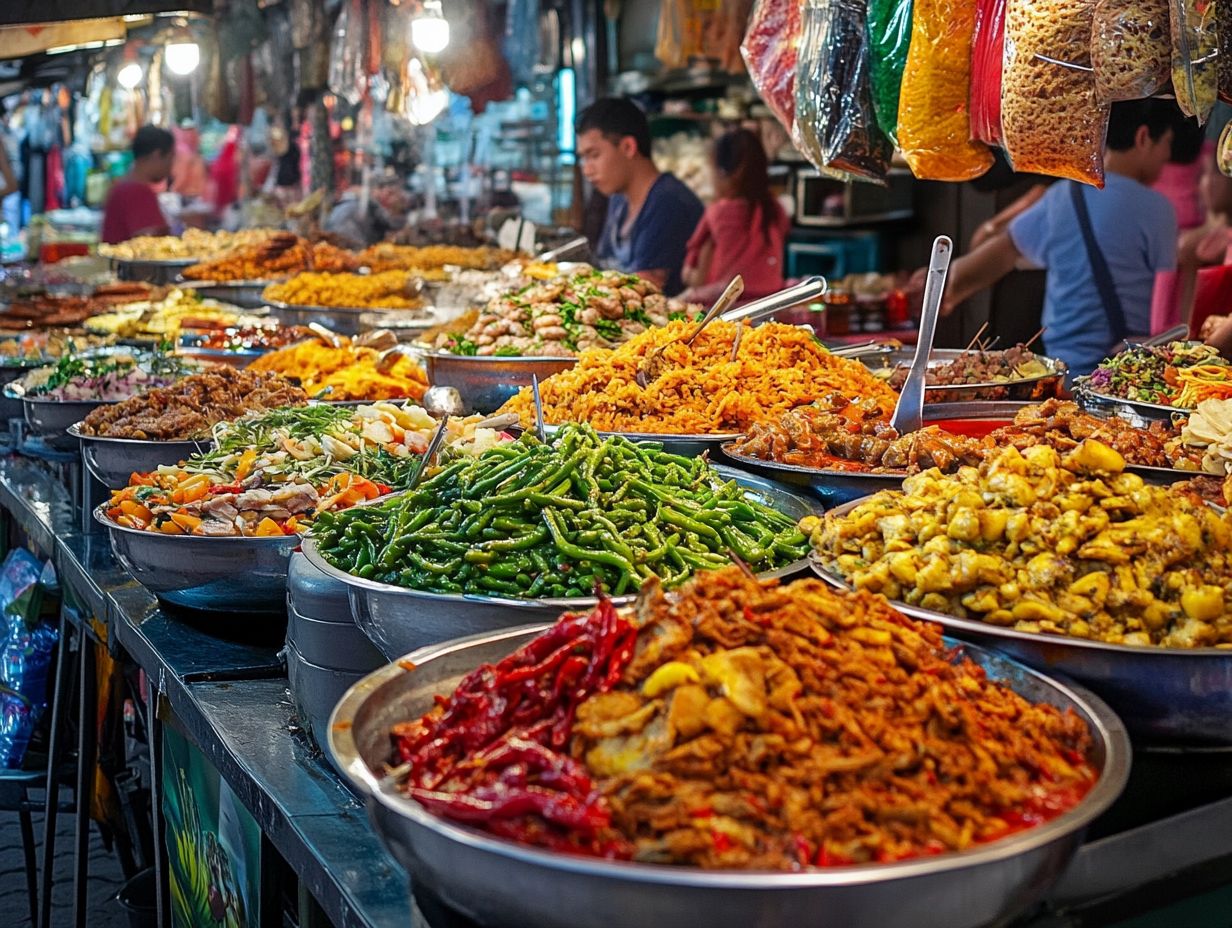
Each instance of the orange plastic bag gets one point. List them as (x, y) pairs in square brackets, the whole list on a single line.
[(1050, 118), (934, 121)]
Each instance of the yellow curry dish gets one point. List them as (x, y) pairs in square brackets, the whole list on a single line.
[(1039, 541)]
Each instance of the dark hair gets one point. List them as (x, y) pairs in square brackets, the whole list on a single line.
[(1187, 139), (1128, 115), (616, 117), (742, 159), (150, 140)]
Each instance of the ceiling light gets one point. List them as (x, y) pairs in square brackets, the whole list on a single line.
[(430, 29), (182, 57), (130, 75)]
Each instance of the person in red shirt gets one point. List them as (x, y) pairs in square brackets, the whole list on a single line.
[(132, 206), (743, 230)]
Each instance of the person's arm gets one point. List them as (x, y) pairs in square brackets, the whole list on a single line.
[(6, 175), (979, 269), (656, 275), (1221, 337), (1001, 221)]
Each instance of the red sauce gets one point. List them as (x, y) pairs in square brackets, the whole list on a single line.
[(972, 428)]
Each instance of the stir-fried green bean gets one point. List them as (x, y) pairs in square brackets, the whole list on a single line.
[(559, 519)]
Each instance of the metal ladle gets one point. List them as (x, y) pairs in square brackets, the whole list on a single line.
[(909, 412)]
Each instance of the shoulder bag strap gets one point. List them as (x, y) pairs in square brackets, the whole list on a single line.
[(1099, 266)]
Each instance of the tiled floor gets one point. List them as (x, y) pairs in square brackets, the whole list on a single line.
[(105, 877)]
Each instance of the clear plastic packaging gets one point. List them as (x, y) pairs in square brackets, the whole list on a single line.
[(346, 78), (934, 117), (987, 57), (1050, 118), (1131, 50), (837, 128), (1223, 64), (889, 37), (769, 50), (1195, 48)]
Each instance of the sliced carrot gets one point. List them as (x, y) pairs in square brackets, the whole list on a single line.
[(244, 468), (268, 527), (185, 520), (137, 511), (170, 528)]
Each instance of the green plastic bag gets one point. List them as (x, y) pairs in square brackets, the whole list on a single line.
[(889, 37)]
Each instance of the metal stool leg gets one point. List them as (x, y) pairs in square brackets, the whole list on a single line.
[(27, 846), (86, 737), (55, 751)]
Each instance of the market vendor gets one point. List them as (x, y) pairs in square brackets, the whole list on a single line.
[(132, 206), (650, 214), (1101, 248), (361, 224)]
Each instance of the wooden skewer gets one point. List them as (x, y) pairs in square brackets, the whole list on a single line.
[(1032, 339), (976, 338)]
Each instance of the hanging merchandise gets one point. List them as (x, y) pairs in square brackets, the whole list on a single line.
[(934, 124), (684, 27), (346, 80), (424, 96), (1223, 69), (1051, 120), (1131, 49), (834, 104), (770, 48), (727, 31), (219, 101), (889, 37), (987, 54), (472, 64), (521, 39), (1195, 47)]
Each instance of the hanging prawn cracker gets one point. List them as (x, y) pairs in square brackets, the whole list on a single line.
[(934, 117), (1052, 122)]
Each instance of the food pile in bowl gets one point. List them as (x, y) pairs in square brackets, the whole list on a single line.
[(272, 257), (1179, 374), (190, 407), (103, 378), (566, 315), (163, 319), (274, 474), (349, 371), (739, 725), (387, 290)]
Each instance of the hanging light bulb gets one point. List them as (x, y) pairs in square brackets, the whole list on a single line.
[(430, 29), (130, 75), (182, 57)]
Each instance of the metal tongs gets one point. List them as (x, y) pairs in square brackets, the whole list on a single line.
[(574, 244), (331, 338), (541, 430), (651, 367), (909, 412), (1180, 331), (808, 289), (433, 446)]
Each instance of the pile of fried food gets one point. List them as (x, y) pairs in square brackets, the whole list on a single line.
[(47, 311), (386, 256), (1042, 541), (190, 407), (979, 366), (194, 243), (350, 371), (273, 257), (740, 725), (700, 391), (566, 315), (837, 433), (388, 290)]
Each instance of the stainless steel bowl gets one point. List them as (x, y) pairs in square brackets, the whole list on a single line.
[(343, 320), (688, 446), (51, 419), (1135, 412), (1040, 387), (397, 619), (112, 460), (164, 271), (1165, 695), (245, 294), (497, 881), (216, 574), (487, 383)]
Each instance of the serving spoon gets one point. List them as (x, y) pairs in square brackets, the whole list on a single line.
[(652, 366), (909, 411)]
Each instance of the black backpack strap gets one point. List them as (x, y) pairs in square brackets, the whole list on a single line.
[(1099, 266)]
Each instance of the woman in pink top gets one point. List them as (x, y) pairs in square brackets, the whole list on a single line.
[(743, 230)]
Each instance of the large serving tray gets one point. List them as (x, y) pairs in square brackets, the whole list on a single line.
[(689, 446), (111, 461), (151, 270), (397, 619), (341, 319), (1165, 695), (1137, 412), (499, 882), (1040, 387), (486, 383)]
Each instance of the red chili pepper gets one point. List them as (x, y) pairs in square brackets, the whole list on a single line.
[(721, 841)]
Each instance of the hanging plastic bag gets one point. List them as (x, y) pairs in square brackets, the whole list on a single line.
[(769, 49), (1131, 49), (346, 77), (1195, 48), (934, 122), (889, 37), (1050, 118), (987, 53), (1223, 64), (834, 103)]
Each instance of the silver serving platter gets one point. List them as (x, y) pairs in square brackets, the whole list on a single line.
[(223, 574), (245, 294), (50, 420), (1165, 695), (341, 319), (112, 460), (1136, 412), (151, 270), (397, 619), (689, 446), (499, 882), (1040, 387), (487, 383)]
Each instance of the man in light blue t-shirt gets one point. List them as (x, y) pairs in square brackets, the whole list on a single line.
[(1133, 235)]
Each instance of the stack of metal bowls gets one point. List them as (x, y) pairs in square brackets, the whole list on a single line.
[(326, 653)]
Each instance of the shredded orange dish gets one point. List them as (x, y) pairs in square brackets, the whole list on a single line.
[(701, 391), (350, 372), (388, 290)]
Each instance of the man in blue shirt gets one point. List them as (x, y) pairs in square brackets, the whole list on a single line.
[(1134, 235), (650, 215)]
